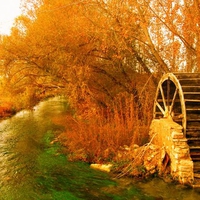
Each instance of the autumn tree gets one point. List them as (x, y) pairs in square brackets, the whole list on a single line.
[(175, 30), (100, 47)]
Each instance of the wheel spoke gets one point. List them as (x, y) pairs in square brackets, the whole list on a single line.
[(168, 93), (163, 97), (173, 100), (160, 107)]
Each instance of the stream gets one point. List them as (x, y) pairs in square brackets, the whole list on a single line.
[(32, 167)]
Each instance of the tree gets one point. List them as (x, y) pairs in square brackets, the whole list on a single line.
[(103, 46)]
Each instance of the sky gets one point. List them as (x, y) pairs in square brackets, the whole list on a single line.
[(9, 10)]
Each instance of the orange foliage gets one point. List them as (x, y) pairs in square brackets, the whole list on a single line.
[(5, 109), (98, 136)]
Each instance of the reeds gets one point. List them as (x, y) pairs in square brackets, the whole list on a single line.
[(97, 134)]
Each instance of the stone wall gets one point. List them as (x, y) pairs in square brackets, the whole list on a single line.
[(169, 135)]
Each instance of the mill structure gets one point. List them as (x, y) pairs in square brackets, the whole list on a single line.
[(178, 98)]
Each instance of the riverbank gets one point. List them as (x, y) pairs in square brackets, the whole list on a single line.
[(132, 160), (125, 160), (35, 165)]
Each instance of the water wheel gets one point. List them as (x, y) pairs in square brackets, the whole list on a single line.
[(178, 97)]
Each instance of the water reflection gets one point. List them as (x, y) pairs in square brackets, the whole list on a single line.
[(34, 168), (160, 189)]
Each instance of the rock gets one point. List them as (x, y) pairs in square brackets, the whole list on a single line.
[(102, 167), (141, 161)]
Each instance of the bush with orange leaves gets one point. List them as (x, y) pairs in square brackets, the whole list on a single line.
[(6, 109), (98, 134)]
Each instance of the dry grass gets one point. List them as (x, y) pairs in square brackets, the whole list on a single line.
[(97, 134)]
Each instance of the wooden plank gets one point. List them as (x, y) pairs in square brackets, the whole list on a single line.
[(192, 135), (195, 154), (192, 100), (196, 185), (196, 159), (187, 88), (189, 82), (197, 164), (193, 119), (194, 139), (193, 109), (192, 129), (192, 93), (196, 175), (195, 147), (189, 78), (185, 75)]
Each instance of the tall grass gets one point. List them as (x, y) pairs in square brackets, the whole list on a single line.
[(97, 134)]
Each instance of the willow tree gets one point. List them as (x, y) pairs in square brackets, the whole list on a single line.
[(100, 47)]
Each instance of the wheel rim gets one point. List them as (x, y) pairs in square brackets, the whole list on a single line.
[(169, 101)]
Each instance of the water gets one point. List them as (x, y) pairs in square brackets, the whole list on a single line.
[(32, 167)]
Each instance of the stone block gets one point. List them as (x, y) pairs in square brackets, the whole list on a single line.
[(186, 180), (180, 145), (182, 155), (186, 162), (185, 169), (174, 164), (177, 135), (185, 175), (179, 150), (181, 140)]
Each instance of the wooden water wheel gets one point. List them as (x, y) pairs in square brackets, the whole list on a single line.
[(178, 97)]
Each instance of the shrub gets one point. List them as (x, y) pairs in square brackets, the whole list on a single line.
[(97, 134)]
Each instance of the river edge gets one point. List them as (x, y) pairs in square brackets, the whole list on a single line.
[(125, 158), (138, 188), (139, 162), (33, 158)]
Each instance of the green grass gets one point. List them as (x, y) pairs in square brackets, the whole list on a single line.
[(59, 179)]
